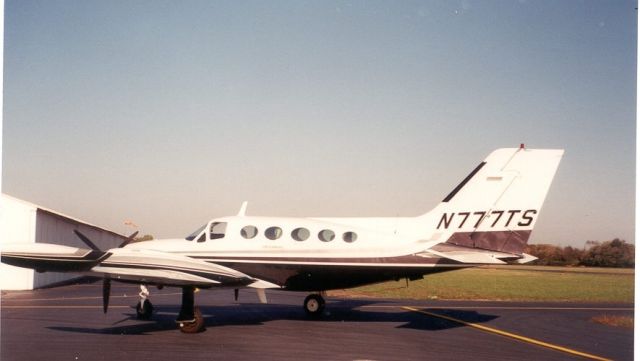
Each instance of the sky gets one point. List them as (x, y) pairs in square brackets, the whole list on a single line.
[(170, 113)]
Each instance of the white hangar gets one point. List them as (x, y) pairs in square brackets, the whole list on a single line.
[(24, 222)]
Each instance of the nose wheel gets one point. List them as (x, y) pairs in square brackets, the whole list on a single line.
[(314, 305)]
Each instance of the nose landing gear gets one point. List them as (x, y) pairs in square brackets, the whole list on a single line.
[(144, 308)]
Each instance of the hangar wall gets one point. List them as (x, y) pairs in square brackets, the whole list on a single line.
[(24, 222), (17, 225)]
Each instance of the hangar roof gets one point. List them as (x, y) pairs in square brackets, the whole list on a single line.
[(38, 208)]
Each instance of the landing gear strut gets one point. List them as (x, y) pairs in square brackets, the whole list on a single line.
[(190, 318), (144, 308), (314, 305)]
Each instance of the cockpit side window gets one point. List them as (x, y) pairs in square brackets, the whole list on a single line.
[(195, 233), (217, 230)]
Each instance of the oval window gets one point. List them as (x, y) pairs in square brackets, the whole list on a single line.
[(349, 237), (300, 234), (249, 232), (273, 233), (326, 235)]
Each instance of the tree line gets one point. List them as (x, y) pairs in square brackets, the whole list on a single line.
[(615, 253)]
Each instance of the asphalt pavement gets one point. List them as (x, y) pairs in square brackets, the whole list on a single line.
[(67, 323)]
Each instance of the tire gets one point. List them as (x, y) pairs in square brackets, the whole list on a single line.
[(314, 305), (195, 326), (144, 310)]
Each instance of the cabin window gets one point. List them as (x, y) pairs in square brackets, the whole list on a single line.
[(202, 238), (326, 235), (217, 230), (300, 234), (249, 232), (349, 237), (273, 233)]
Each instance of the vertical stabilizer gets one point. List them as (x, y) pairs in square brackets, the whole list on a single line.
[(496, 206)]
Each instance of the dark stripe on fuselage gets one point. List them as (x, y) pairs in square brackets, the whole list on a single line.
[(224, 279), (411, 260), (319, 274), (306, 277)]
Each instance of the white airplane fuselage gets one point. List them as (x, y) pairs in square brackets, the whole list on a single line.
[(335, 252)]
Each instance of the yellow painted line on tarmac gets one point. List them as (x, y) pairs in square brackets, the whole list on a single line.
[(510, 308), (510, 335)]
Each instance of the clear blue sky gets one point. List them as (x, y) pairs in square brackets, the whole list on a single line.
[(172, 113)]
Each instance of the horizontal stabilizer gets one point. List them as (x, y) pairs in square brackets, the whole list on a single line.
[(469, 257), (526, 258)]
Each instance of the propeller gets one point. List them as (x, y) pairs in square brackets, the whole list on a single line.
[(106, 292), (106, 281), (129, 239)]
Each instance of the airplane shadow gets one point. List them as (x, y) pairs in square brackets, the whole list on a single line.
[(251, 314)]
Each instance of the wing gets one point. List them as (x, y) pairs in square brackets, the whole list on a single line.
[(122, 264), (161, 268), (44, 257)]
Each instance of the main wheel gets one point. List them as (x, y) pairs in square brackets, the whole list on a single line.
[(314, 305), (194, 326), (144, 309)]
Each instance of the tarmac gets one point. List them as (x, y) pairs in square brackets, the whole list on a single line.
[(67, 323)]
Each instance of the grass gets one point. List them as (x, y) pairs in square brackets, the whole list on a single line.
[(519, 283)]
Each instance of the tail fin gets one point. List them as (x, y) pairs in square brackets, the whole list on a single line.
[(496, 206)]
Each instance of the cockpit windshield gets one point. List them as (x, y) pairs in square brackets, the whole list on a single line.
[(195, 233)]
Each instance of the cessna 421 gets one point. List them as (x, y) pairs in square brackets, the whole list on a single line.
[(486, 219)]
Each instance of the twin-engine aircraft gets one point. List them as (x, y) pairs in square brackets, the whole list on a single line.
[(486, 219)]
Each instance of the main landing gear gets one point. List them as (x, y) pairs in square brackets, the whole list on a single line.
[(144, 308), (190, 318), (314, 305)]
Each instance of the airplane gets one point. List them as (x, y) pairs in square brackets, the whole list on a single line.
[(486, 219)]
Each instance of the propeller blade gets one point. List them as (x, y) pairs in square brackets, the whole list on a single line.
[(235, 293), (86, 240), (106, 291), (129, 239)]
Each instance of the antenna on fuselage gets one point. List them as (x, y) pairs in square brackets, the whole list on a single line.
[(243, 209)]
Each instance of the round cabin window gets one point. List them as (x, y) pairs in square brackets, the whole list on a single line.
[(249, 232), (273, 233), (326, 235), (300, 234)]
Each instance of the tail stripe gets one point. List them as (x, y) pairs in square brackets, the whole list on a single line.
[(465, 181)]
